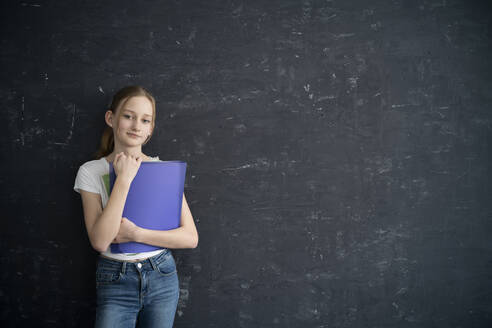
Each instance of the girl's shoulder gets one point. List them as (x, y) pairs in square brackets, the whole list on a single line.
[(96, 165)]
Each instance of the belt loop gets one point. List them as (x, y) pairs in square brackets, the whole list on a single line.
[(154, 265), (123, 268)]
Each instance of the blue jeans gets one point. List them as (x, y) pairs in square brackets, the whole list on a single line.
[(130, 294)]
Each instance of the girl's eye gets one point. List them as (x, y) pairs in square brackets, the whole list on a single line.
[(128, 116)]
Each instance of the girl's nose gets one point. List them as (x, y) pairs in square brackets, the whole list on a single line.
[(136, 126)]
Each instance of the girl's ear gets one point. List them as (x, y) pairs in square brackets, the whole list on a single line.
[(109, 118)]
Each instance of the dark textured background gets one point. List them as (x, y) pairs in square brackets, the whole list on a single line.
[(339, 156)]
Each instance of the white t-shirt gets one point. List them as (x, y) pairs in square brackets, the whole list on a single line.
[(93, 176)]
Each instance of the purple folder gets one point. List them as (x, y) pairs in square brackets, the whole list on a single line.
[(154, 200)]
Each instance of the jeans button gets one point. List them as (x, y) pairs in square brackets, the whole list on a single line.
[(139, 265)]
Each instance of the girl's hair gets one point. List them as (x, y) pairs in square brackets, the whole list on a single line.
[(119, 99)]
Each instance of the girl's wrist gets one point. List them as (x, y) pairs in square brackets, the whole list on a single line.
[(137, 234), (123, 180)]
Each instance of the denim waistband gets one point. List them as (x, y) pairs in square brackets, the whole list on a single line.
[(149, 263)]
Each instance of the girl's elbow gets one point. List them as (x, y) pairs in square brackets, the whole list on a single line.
[(97, 248), (194, 241), (100, 248), (98, 245)]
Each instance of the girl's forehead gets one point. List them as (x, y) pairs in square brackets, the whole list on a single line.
[(138, 101), (138, 105)]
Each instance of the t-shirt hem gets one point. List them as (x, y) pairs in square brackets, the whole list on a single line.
[(126, 256)]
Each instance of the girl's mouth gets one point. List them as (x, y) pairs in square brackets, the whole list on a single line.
[(133, 135)]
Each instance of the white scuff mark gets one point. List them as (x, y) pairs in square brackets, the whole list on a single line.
[(192, 35), (241, 128), (245, 316), (237, 11), (245, 285), (343, 35), (353, 82), (261, 163), (376, 26), (400, 105), (402, 291), (441, 149), (101, 89), (330, 17), (245, 166), (70, 132), (325, 97), (22, 109), (22, 119), (381, 231), (382, 265), (71, 126), (184, 294), (447, 37), (229, 99)]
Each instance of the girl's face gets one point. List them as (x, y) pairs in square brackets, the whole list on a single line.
[(135, 122)]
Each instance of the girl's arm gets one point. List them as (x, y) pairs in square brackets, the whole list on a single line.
[(186, 236), (103, 224)]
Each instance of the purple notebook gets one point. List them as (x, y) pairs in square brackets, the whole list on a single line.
[(154, 200)]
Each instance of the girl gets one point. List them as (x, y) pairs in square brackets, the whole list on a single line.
[(131, 288)]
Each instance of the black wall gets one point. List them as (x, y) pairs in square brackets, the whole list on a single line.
[(339, 156)]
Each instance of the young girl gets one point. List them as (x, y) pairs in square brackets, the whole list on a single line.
[(131, 288)]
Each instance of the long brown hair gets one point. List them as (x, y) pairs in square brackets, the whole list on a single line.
[(119, 99)]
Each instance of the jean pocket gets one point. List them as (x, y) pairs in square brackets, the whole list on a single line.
[(168, 266), (105, 277)]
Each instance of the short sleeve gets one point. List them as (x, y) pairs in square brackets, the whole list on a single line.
[(84, 181)]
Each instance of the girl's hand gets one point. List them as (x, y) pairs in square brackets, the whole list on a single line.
[(127, 231), (126, 166)]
